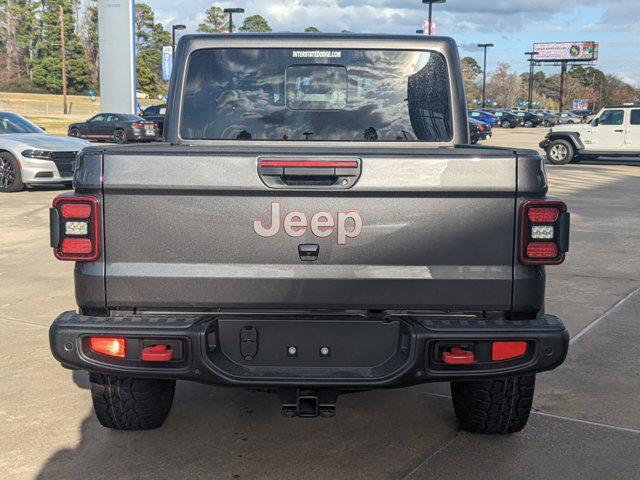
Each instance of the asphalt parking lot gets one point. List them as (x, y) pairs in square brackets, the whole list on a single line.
[(586, 424)]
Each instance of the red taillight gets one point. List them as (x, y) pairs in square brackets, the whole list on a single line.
[(544, 232), (543, 214), (75, 228), (76, 246), (507, 350), (542, 250), (111, 346), (75, 210), (138, 125)]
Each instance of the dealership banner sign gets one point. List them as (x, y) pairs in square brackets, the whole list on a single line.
[(167, 63), (566, 51)]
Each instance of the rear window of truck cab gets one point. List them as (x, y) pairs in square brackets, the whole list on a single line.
[(316, 95)]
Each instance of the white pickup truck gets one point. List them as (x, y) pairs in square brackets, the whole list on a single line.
[(614, 132)]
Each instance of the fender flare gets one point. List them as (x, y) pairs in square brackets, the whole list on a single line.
[(572, 137)]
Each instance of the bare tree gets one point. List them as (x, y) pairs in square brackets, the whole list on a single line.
[(504, 86)]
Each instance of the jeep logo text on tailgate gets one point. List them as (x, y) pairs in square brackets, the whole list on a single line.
[(322, 224)]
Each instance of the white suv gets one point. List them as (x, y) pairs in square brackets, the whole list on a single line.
[(615, 131)]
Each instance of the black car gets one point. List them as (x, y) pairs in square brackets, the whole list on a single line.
[(507, 119), (119, 127), (478, 130), (156, 114), (529, 119)]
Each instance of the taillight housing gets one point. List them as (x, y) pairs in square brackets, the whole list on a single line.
[(75, 228), (544, 232)]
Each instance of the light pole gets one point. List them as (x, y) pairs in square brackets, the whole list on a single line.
[(484, 71), (173, 39), (231, 11), (431, 2), (531, 65)]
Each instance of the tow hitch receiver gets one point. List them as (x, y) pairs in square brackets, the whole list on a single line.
[(308, 403), (157, 353), (458, 356)]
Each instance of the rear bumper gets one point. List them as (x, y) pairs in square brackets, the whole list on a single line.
[(393, 351), (141, 135)]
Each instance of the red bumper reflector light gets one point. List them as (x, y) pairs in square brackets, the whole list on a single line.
[(75, 210), (543, 214), (309, 163), (507, 350), (157, 353), (542, 250), (111, 346), (76, 246), (458, 356)]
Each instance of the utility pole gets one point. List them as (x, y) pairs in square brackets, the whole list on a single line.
[(484, 72), (63, 55), (531, 67), (563, 83)]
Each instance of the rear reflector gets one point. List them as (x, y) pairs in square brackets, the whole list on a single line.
[(75, 210), (111, 346), (543, 214), (542, 250), (507, 350)]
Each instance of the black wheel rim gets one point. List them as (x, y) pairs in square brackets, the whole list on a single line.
[(7, 173), (120, 136)]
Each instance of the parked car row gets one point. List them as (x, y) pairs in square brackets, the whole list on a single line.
[(512, 118)]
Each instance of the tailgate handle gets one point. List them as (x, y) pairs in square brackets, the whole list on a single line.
[(281, 173)]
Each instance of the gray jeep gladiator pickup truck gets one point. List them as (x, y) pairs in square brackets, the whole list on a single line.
[(313, 225)]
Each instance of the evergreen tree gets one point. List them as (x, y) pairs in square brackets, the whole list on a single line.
[(151, 37), (255, 23), (91, 40), (311, 30), (47, 64), (215, 20)]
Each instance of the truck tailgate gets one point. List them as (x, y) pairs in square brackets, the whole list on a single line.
[(191, 228)]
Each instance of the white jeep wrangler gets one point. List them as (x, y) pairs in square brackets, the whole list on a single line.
[(614, 132)]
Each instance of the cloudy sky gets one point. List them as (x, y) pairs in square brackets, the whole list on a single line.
[(512, 25)]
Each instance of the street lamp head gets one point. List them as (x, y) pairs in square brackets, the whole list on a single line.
[(485, 45), (434, 1), (233, 10), (179, 27)]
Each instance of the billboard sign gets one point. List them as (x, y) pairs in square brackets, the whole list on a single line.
[(580, 104), (167, 63), (566, 51)]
